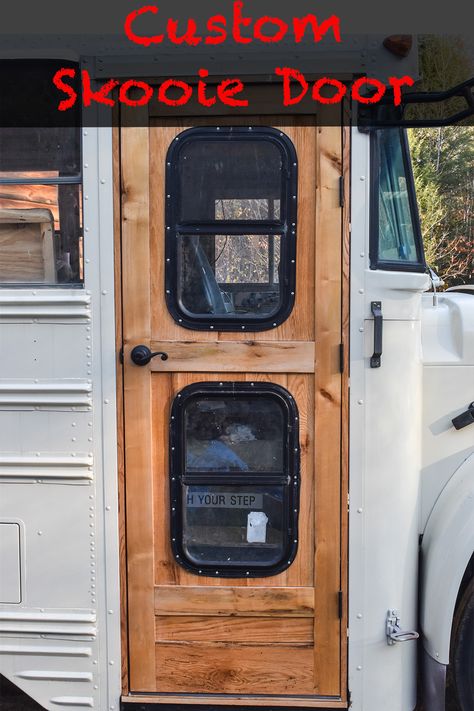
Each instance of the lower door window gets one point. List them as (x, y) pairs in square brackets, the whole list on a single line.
[(234, 479)]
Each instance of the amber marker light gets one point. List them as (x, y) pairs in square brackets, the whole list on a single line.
[(400, 45)]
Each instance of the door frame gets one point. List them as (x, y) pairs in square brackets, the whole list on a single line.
[(323, 401)]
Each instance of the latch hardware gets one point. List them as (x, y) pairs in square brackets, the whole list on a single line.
[(142, 355), (376, 308), (394, 632)]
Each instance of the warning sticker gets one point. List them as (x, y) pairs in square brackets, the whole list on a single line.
[(225, 500)]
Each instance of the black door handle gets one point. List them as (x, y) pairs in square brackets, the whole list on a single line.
[(141, 355), (465, 419), (376, 308)]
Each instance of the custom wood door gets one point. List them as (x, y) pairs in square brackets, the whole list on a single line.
[(213, 493)]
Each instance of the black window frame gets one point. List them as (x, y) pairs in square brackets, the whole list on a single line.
[(289, 479), (383, 264), (285, 227)]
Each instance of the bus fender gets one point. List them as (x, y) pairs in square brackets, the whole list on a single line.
[(447, 547)]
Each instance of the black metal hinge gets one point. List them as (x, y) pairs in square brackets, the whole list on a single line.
[(339, 604), (341, 357), (341, 191)]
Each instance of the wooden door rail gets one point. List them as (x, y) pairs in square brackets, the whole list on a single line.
[(235, 356)]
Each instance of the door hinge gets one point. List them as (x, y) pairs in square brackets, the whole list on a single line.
[(120, 356), (341, 357), (339, 604), (341, 191)]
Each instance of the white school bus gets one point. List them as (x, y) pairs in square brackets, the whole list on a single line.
[(236, 466)]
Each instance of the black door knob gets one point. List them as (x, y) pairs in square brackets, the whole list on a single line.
[(142, 355)]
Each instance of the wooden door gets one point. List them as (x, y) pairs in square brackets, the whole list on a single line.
[(208, 639)]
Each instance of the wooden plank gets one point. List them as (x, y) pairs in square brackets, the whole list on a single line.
[(24, 216), (234, 668), (301, 571), (236, 601), (346, 234), (263, 100), (239, 700), (49, 260), (328, 412), (282, 630), (137, 403), (235, 357), (166, 569), (120, 410), (26, 246)]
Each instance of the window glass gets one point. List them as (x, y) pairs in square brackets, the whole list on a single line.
[(234, 524), (234, 434), (241, 209), (231, 204), (231, 180), (397, 236), (48, 152), (40, 234), (229, 274), (234, 478)]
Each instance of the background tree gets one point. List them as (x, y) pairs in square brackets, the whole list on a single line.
[(443, 165)]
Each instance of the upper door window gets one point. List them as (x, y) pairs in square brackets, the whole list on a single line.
[(396, 241), (231, 228)]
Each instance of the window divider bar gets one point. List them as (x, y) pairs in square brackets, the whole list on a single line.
[(235, 479), (60, 180), (221, 227)]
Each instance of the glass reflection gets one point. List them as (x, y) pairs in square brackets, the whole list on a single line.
[(234, 434)]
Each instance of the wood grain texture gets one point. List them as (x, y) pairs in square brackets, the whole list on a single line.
[(267, 630), (328, 411), (137, 402), (346, 251), (235, 601), (234, 638), (27, 247), (165, 387), (235, 357), (263, 98), (120, 409), (234, 668)]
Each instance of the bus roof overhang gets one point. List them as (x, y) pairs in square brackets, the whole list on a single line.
[(115, 56)]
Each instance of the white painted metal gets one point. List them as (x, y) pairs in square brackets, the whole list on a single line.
[(448, 463), (58, 477), (48, 394), (385, 459), (448, 544), (28, 306), (10, 562), (448, 387)]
